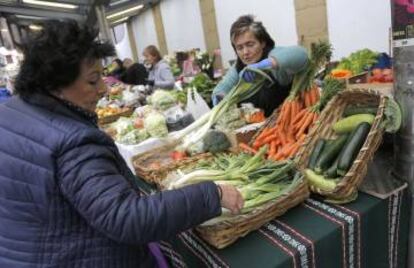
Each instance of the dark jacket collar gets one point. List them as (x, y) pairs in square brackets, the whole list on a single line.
[(62, 107)]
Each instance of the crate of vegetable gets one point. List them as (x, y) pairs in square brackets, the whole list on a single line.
[(286, 129), (339, 148), (108, 115), (269, 189), (153, 165)]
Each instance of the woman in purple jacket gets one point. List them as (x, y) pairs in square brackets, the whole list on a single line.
[(67, 196)]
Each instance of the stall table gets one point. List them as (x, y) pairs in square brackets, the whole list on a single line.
[(369, 232)]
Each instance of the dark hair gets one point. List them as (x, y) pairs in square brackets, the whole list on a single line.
[(153, 51), (119, 62), (247, 23), (53, 56)]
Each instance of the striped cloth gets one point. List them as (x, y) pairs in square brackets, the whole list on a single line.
[(369, 232), (366, 233)]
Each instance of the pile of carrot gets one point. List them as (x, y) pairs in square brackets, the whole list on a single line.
[(293, 123)]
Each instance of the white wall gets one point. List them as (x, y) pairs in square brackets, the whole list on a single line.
[(144, 31), (182, 25), (123, 49), (277, 16), (358, 24)]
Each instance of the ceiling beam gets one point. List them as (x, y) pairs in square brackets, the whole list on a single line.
[(40, 13)]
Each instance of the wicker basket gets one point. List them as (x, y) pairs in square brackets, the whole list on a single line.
[(227, 232), (348, 185), (112, 118), (154, 174)]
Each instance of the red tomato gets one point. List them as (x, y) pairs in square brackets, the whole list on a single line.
[(376, 71), (177, 156)]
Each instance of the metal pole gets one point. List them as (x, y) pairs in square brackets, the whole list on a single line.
[(403, 48), (103, 23)]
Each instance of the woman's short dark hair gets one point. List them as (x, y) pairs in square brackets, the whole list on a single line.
[(153, 51), (53, 56), (247, 23), (119, 62)]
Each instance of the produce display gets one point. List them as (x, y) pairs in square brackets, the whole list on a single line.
[(204, 86), (162, 100), (259, 180), (266, 168), (231, 120), (358, 61), (143, 124), (364, 62), (108, 111), (378, 75), (299, 111), (331, 159)]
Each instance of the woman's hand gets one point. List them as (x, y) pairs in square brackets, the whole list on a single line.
[(217, 98), (231, 198), (268, 63)]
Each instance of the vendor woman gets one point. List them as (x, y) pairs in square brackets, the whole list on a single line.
[(256, 49), (159, 73)]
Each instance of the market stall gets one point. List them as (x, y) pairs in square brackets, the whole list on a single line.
[(319, 142), (369, 232)]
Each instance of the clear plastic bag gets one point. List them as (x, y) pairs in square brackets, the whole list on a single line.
[(196, 105)]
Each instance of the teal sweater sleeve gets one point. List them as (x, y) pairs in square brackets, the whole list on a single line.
[(290, 60)]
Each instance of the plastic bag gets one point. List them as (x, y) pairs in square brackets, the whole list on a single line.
[(196, 105)]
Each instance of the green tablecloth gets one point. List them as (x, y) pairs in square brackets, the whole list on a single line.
[(369, 232)]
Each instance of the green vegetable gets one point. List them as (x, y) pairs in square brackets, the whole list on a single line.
[(204, 85), (241, 91), (216, 141), (354, 110), (352, 148), (258, 180), (134, 137), (320, 54), (156, 125), (348, 124), (328, 156), (317, 150), (320, 181), (162, 100), (330, 88), (331, 172), (359, 61), (393, 116)]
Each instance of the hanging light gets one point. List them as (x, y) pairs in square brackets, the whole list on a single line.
[(120, 20), (117, 14), (50, 4), (35, 27)]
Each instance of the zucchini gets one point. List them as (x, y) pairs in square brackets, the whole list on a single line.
[(331, 172), (352, 148), (348, 124), (353, 110), (316, 152), (320, 181), (328, 156)]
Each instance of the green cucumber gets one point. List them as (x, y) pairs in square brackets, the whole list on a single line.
[(348, 124), (353, 110), (320, 181), (331, 172), (328, 156), (352, 148), (317, 150)]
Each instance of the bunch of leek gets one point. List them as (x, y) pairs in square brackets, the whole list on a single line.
[(258, 180), (243, 90)]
